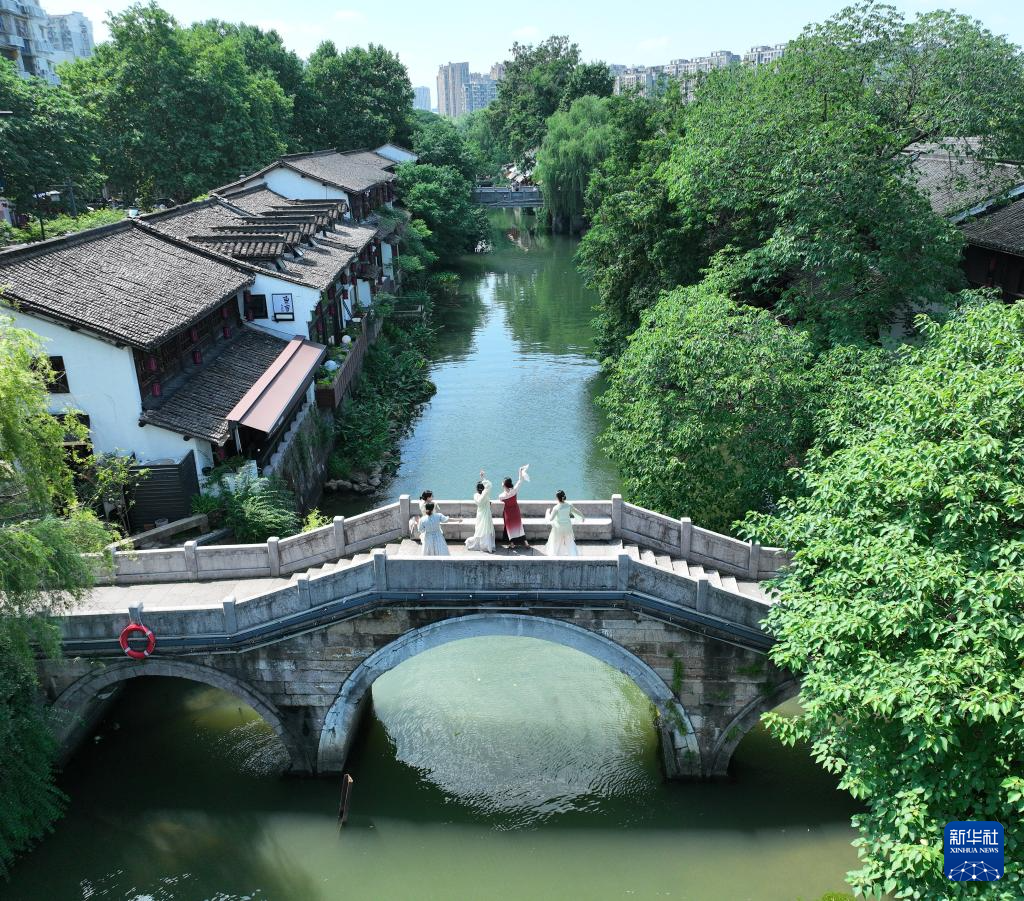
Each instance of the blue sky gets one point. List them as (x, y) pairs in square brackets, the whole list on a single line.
[(426, 34)]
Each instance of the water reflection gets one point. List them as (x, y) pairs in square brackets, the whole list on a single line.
[(478, 730), (515, 378)]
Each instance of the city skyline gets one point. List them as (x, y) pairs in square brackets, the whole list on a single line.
[(667, 31)]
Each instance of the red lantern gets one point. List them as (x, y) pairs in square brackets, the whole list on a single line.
[(249, 315), (193, 333), (226, 331), (344, 293), (155, 389), (151, 363), (197, 356), (224, 312)]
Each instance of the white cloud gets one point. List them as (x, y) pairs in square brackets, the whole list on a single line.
[(349, 15)]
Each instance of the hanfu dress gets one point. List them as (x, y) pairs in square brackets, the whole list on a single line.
[(511, 514), (561, 542), (483, 533), (430, 532), (414, 522)]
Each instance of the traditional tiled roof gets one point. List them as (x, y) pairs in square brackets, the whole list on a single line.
[(197, 218), (342, 170), (245, 247), (370, 158), (354, 237), (254, 199), (954, 183), (1001, 229), (199, 407), (122, 281), (318, 266)]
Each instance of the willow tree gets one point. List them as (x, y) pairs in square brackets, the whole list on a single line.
[(576, 142), (43, 534)]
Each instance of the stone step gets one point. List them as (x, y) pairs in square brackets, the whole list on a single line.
[(648, 557), (680, 567), (697, 572), (664, 561), (714, 578), (729, 584), (633, 551)]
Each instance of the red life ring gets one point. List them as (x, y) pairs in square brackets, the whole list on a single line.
[(137, 629)]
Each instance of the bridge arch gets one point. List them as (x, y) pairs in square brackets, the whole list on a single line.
[(743, 722), (72, 704), (678, 737)]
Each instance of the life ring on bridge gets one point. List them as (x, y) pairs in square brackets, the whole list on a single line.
[(137, 629)]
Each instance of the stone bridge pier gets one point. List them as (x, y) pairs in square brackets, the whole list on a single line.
[(312, 685)]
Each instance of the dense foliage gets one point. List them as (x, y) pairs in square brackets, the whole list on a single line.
[(577, 140), (708, 406), (791, 179), (441, 198), (354, 99), (43, 534), (902, 610), (48, 139)]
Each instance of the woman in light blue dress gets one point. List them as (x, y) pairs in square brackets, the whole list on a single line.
[(561, 542), (429, 529)]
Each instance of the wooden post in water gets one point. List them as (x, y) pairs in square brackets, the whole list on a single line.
[(346, 796)]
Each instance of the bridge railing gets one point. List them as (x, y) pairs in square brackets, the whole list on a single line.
[(352, 590), (606, 520)]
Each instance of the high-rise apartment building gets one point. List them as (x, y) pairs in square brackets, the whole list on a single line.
[(480, 92), (25, 40), (451, 97), (648, 80), (421, 98), (71, 36), (764, 54)]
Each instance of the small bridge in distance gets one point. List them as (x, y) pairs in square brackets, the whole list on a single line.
[(299, 628), (527, 196)]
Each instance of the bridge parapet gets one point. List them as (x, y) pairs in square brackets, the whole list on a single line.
[(382, 581), (607, 520)]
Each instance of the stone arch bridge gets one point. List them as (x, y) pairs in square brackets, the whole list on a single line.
[(300, 628)]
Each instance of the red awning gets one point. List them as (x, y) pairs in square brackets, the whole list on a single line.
[(265, 403)]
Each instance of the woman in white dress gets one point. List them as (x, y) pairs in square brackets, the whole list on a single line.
[(429, 530), (483, 534), (426, 498), (561, 542)]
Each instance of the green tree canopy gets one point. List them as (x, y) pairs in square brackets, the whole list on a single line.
[(587, 80), (359, 98), (179, 110), (48, 141), (484, 140), (790, 180), (438, 141), (708, 406), (902, 610), (440, 198), (534, 82)]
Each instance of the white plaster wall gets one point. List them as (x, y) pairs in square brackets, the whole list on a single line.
[(364, 294), (293, 186), (104, 385), (304, 300), (387, 258)]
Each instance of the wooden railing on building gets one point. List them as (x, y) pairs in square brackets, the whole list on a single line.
[(329, 397)]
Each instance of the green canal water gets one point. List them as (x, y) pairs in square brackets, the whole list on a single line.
[(489, 768)]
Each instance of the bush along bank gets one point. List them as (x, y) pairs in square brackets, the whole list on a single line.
[(393, 387)]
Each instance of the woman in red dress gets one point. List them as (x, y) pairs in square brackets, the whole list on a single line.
[(513, 518)]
